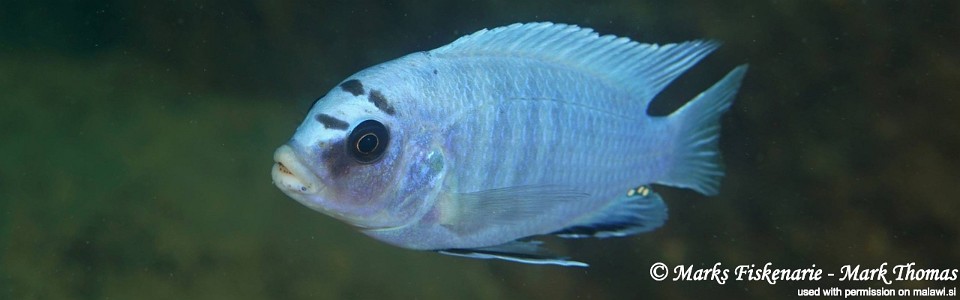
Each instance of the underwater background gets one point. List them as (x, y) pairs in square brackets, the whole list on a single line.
[(136, 142)]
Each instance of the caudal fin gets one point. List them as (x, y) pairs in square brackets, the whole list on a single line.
[(696, 162)]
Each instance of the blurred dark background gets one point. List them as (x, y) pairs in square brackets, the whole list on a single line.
[(136, 141)]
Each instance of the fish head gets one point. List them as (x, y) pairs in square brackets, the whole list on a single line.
[(352, 159)]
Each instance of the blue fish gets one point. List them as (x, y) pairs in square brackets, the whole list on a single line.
[(517, 131)]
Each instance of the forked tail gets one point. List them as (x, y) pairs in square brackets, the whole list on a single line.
[(696, 162)]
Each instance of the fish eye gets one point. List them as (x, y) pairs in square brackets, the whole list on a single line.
[(368, 141)]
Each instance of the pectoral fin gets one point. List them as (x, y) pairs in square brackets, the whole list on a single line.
[(528, 252), (466, 212)]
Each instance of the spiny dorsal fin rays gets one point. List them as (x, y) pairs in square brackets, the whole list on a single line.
[(640, 69)]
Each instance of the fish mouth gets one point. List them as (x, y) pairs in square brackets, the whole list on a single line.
[(292, 176), (299, 182)]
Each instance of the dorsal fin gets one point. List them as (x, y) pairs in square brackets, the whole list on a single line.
[(641, 69)]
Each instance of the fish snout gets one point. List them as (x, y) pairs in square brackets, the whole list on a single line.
[(291, 175)]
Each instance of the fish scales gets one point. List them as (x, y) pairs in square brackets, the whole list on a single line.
[(507, 114), (524, 130)]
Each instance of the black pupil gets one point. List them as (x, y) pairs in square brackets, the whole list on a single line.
[(368, 143)]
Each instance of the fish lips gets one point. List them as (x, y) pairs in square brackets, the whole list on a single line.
[(292, 176), (299, 182)]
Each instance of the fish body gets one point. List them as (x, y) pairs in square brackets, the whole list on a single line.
[(517, 131)]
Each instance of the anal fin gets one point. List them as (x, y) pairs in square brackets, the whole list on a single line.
[(528, 252), (639, 210)]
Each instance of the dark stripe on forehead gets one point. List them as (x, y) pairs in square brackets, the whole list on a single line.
[(381, 102), (352, 86), (331, 122)]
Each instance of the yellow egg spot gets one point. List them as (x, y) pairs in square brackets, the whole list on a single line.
[(631, 192)]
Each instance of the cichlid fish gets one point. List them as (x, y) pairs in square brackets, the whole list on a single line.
[(524, 130)]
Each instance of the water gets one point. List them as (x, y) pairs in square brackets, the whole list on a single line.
[(136, 141)]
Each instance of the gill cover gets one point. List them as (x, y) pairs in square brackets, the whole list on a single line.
[(365, 169)]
